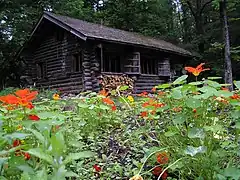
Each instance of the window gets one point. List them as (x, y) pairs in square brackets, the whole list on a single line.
[(41, 70), (77, 62), (148, 66), (111, 62)]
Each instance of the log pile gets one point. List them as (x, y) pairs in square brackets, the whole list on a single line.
[(112, 82)]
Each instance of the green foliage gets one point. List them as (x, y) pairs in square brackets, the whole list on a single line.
[(195, 124)]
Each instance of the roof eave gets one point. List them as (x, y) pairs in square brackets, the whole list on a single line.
[(55, 21), (141, 45)]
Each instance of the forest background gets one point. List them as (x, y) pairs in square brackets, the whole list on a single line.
[(197, 25)]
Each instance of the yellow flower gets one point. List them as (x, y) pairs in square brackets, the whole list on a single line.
[(136, 177), (56, 97), (130, 98), (19, 128), (22, 142)]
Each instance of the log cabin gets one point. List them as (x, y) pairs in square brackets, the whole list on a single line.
[(72, 55)]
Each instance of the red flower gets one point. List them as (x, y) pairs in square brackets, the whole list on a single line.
[(114, 108), (97, 168), (33, 117), (157, 171), (30, 105), (16, 143), (144, 114), (27, 156), (196, 71), (162, 158), (194, 110), (143, 94)]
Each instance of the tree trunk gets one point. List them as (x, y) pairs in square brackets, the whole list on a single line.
[(227, 58)]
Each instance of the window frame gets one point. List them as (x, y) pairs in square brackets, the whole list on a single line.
[(77, 67), (41, 70), (152, 68), (112, 60)]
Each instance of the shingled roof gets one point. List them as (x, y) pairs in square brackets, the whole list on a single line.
[(86, 30)]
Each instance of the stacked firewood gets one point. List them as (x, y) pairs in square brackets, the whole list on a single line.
[(112, 82)]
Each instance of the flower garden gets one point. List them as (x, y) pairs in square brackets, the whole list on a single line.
[(181, 130)]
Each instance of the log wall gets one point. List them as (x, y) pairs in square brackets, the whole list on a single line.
[(56, 54)]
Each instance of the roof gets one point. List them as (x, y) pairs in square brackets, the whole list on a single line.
[(86, 30)]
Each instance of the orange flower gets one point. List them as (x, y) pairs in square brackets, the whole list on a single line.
[(177, 109), (103, 93), (144, 114), (136, 177), (154, 89), (25, 97), (159, 105), (9, 99), (162, 158), (224, 89), (56, 97), (114, 108), (161, 93), (235, 96), (196, 71), (108, 101)]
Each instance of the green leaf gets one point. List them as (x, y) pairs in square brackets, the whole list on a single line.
[(214, 78), (58, 144), (71, 174), (123, 88), (170, 133), (76, 156), (60, 174), (25, 176), (237, 84), (196, 133), (192, 151), (214, 128), (196, 83), (180, 80), (193, 103), (237, 125), (104, 107), (163, 86), (207, 89), (17, 136), (222, 93), (26, 168), (42, 174), (176, 94), (213, 84), (42, 155), (232, 172), (38, 135), (179, 119), (82, 105), (46, 115)]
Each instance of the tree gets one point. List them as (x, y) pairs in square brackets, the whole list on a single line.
[(227, 58)]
